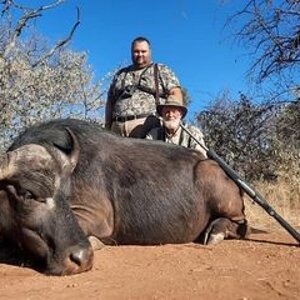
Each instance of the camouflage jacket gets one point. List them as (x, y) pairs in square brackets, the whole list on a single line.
[(181, 137), (133, 91)]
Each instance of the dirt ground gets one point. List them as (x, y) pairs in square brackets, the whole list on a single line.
[(264, 267)]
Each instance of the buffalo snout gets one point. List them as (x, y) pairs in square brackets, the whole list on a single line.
[(78, 259)]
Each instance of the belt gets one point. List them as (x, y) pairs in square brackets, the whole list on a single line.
[(129, 118)]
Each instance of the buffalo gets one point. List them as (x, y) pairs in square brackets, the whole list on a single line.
[(68, 187)]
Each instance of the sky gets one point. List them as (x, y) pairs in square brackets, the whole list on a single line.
[(186, 35)]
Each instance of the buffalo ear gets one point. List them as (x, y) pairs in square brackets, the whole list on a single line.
[(68, 157), (74, 157)]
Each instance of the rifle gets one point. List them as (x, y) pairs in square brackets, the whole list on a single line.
[(254, 195)]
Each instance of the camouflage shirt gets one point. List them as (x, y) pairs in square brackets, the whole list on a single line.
[(127, 91), (180, 137)]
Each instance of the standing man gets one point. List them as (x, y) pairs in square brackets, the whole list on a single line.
[(172, 113), (135, 92)]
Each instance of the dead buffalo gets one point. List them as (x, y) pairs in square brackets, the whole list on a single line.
[(67, 184)]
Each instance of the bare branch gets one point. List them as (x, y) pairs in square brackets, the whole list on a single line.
[(272, 29), (41, 8), (60, 43), (29, 13)]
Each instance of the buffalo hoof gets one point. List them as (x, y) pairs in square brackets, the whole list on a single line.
[(216, 231), (95, 243), (214, 239)]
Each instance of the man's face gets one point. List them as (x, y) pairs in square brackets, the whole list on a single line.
[(141, 54), (171, 116)]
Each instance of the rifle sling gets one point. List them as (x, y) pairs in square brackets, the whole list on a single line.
[(156, 85)]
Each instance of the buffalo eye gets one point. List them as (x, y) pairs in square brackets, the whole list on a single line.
[(28, 196)]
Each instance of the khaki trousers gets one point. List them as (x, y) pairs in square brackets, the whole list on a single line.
[(137, 128)]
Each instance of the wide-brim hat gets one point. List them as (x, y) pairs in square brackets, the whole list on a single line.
[(172, 101)]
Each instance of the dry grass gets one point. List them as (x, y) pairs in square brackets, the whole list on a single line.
[(284, 198)]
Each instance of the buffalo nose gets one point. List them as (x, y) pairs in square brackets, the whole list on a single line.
[(82, 257)]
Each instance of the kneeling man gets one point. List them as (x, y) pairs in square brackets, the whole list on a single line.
[(172, 112)]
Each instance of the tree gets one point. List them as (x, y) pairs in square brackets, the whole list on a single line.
[(272, 29), (243, 134), (262, 139), (288, 127), (38, 82)]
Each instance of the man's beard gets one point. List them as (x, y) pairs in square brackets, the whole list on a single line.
[(172, 124)]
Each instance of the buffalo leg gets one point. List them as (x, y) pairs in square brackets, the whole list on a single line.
[(223, 228)]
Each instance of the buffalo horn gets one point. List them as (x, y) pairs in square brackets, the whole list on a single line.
[(5, 169)]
